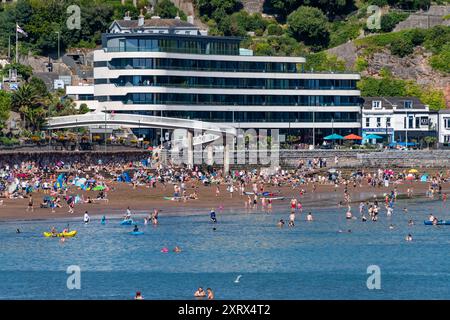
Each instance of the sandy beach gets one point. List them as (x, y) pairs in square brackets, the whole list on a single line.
[(145, 199)]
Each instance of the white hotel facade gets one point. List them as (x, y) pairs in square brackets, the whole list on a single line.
[(170, 68)]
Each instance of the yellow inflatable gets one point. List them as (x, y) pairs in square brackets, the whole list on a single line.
[(61, 234)]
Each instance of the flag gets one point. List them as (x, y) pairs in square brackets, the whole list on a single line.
[(20, 30)]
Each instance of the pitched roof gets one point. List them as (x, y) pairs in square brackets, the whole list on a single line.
[(389, 102)]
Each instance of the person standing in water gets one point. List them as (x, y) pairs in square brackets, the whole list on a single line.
[(291, 219), (86, 217), (212, 215), (30, 204)]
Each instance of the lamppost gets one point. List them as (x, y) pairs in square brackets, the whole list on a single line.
[(59, 45), (104, 108)]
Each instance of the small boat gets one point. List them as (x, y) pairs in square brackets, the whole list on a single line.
[(136, 233), (127, 222), (61, 234), (439, 223)]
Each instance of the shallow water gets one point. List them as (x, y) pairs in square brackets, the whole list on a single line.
[(309, 261)]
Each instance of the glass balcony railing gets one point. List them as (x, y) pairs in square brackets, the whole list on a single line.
[(226, 52), (215, 103), (186, 86)]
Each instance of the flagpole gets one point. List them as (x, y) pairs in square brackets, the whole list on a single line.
[(17, 45)]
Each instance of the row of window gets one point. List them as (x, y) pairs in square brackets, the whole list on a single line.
[(237, 116), (409, 122), (246, 100), (193, 45), (377, 104), (197, 65), (244, 83)]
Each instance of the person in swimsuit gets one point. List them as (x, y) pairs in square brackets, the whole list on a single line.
[(200, 293), (212, 215)]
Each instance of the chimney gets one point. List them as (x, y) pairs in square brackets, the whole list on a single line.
[(127, 16), (190, 19), (141, 19)]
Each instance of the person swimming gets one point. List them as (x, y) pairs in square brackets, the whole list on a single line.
[(136, 229), (280, 223), (348, 214), (309, 217), (138, 296), (410, 222), (409, 237), (364, 218), (391, 227), (200, 293), (212, 216), (17, 230), (177, 249), (103, 221)]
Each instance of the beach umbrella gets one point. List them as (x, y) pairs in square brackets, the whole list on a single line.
[(413, 171), (334, 136), (373, 136), (352, 137)]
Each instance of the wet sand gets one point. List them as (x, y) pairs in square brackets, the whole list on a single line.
[(144, 199)]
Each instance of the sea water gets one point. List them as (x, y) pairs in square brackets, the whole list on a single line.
[(312, 260)]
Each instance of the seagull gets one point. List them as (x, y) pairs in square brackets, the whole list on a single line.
[(237, 279)]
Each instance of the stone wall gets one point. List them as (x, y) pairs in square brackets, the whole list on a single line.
[(425, 19)]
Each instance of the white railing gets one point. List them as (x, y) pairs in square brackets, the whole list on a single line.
[(136, 121)]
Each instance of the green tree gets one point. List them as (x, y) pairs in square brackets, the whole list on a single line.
[(322, 61), (390, 20), (167, 10), (309, 25), (22, 70), (441, 61), (26, 102), (332, 8), (402, 47), (429, 140), (218, 9)]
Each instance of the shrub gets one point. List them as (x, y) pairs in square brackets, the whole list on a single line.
[(402, 47), (274, 30), (390, 20)]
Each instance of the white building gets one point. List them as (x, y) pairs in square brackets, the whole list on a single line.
[(398, 119), (170, 68), (444, 128)]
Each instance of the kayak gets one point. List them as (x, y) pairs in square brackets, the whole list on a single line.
[(136, 233), (439, 223), (61, 234), (127, 222)]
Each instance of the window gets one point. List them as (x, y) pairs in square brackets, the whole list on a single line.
[(378, 122), (367, 122), (376, 104), (446, 139), (417, 122), (410, 122), (447, 123), (407, 104), (388, 122)]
